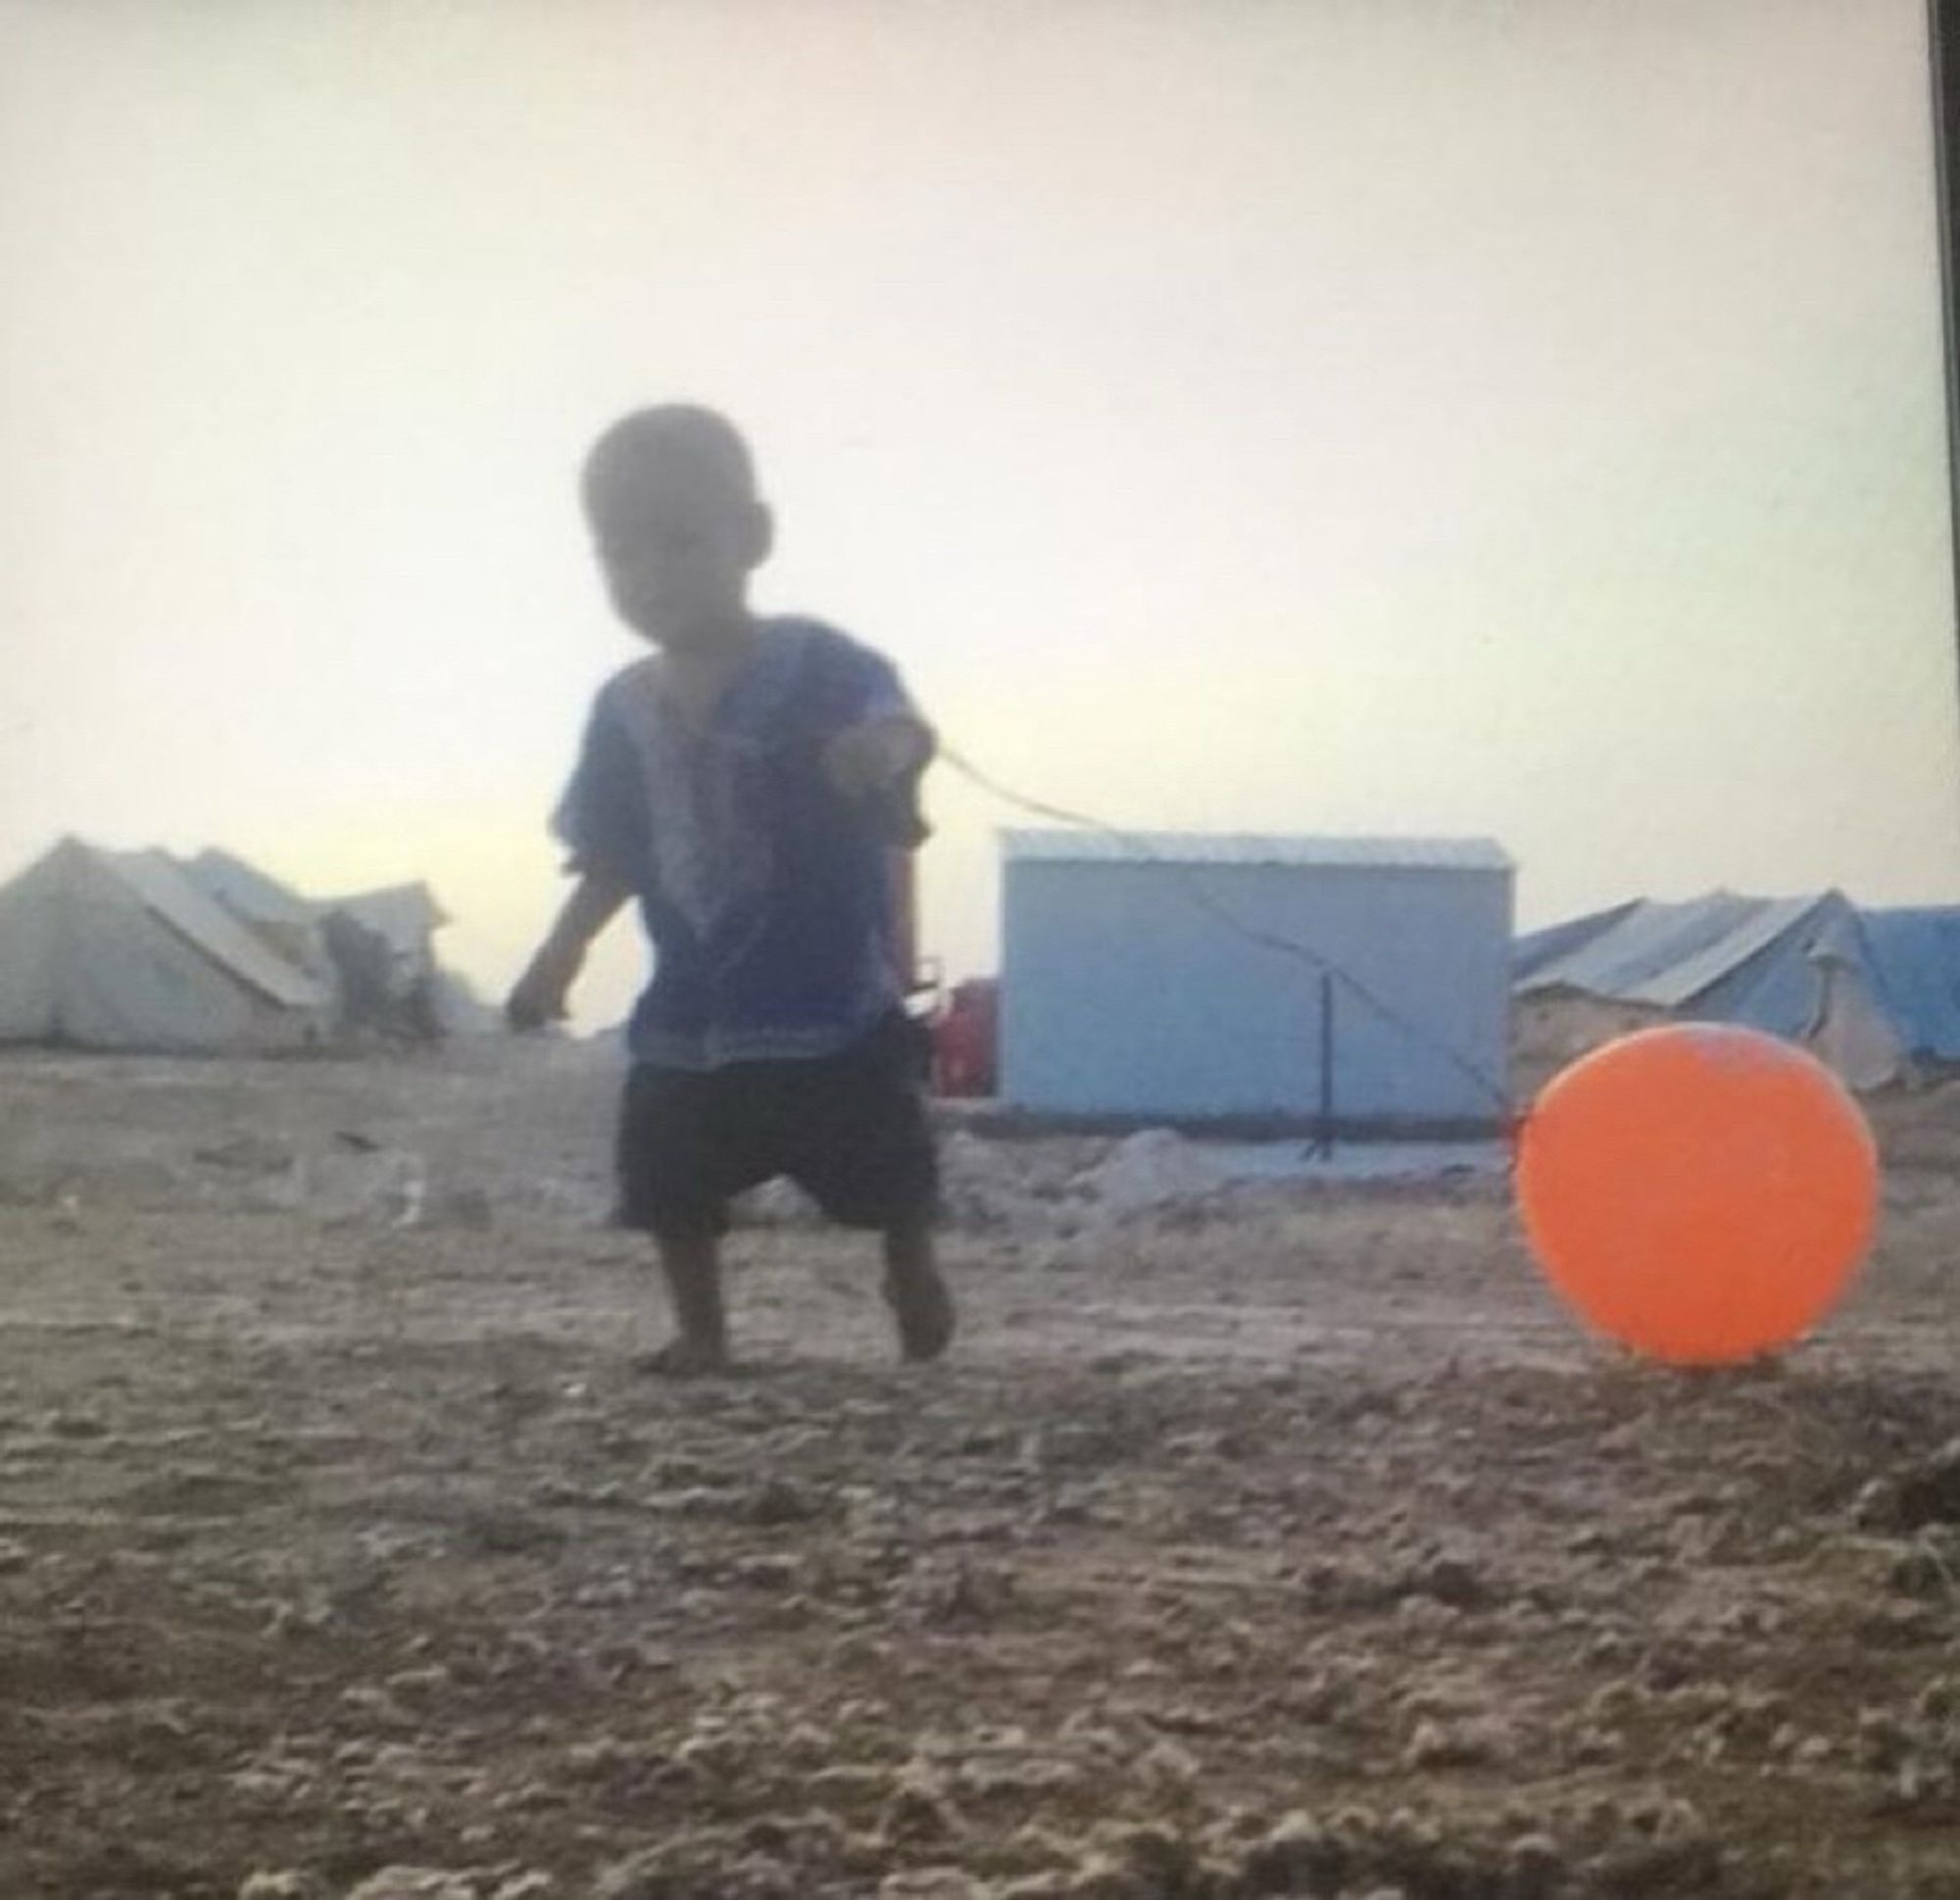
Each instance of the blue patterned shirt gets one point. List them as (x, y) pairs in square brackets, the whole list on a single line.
[(769, 901)]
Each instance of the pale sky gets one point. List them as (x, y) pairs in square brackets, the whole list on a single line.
[(1518, 418)]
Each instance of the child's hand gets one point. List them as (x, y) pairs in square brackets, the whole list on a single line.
[(864, 760), (540, 993)]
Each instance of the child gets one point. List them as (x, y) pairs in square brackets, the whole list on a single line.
[(748, 783)]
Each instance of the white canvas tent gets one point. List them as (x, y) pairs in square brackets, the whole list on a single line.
[(373, 950), (120, 951), (278, 915)]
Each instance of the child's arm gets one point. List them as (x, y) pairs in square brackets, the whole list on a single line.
[(540, 994), (602, 819)]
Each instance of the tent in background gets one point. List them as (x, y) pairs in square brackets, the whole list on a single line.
[(280, 916), (121, 951), (383, 945), (373, 950), (1872, 992), (1917, 954), (406, 916)]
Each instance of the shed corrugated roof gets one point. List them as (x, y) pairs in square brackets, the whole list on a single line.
[(1055, 846)]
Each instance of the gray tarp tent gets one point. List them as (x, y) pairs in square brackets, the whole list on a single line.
[(1917, 954), (121, 951), (1871, 991)]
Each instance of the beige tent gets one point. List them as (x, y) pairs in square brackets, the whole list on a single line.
[(374, 950), (120, 951), (279, 917)]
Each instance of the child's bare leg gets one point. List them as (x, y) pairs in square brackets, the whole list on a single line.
[(920, 1299), (693, 1270)]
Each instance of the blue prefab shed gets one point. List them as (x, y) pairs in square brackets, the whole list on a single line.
[(1148, 979)]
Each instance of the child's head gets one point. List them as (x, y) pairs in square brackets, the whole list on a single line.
[(670, 495)]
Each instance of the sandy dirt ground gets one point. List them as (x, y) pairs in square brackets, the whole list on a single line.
[(1286, 1542)]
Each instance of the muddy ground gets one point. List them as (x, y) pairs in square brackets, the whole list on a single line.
[(1288, 1542)]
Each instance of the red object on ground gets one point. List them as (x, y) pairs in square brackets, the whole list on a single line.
[(964, 1040), (1703, 1193)]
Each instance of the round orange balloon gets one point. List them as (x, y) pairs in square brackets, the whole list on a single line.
[(1703, 1193)]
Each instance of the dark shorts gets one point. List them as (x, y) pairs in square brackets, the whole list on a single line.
[(849, 1128)]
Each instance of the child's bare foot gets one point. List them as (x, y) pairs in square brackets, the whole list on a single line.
[(684, 1358), (923, 1306)]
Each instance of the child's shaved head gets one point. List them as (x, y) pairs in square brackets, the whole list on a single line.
[(676, 522), (674, 441)]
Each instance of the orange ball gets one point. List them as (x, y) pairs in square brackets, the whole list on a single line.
[(1701, 1192)]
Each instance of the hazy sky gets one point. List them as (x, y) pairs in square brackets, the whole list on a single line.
[(1507, 416)]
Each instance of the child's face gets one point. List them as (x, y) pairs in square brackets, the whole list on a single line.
[(676, 544)]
